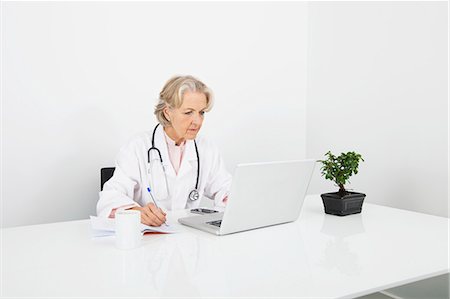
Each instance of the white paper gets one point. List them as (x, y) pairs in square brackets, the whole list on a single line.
[(164, 228), (102, 227)]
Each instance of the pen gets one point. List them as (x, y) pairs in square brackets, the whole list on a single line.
[(154, 201)]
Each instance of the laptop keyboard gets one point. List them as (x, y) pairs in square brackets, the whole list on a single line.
[(215, 223)]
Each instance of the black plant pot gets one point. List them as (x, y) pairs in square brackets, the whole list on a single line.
[(338, 204)]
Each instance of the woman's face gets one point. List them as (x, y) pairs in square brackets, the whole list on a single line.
[(187, 120)]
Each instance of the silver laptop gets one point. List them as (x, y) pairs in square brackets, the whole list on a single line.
[(262, 194)]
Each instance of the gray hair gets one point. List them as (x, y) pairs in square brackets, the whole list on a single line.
[(172, 95)]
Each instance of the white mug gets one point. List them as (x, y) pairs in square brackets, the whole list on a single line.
[(128, 231)]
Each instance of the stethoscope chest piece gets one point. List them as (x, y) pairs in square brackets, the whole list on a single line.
[(193, 196)]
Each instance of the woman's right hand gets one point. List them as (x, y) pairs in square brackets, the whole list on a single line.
[(151, 215)]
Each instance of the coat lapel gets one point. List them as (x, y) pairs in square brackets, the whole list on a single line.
[(160, 143), (189, 158)]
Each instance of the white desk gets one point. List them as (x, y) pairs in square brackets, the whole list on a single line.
[(318, 256)]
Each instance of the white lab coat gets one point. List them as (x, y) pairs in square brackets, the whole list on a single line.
[(131, 178)]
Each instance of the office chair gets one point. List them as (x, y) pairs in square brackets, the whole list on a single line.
[(105, 174)]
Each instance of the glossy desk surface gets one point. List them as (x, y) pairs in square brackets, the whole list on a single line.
[(319, 256)]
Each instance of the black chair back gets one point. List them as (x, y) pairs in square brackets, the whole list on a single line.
[(105, 174)]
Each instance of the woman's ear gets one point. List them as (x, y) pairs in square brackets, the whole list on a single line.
[(166, 113)]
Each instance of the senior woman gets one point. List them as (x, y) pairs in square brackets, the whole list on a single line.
[(171, 163)]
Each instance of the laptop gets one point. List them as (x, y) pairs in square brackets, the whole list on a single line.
[(262, 194)]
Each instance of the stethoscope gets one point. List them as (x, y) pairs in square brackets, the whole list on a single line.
[(193, 195)]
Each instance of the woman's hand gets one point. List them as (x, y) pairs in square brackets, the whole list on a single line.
[(151, 215)]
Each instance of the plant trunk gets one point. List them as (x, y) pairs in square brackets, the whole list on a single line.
[(341, 190)]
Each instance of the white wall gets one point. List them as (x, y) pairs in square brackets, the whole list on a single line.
[(79, 79), (377, 84)]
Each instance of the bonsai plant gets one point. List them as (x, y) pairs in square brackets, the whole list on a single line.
[(339, 170)]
